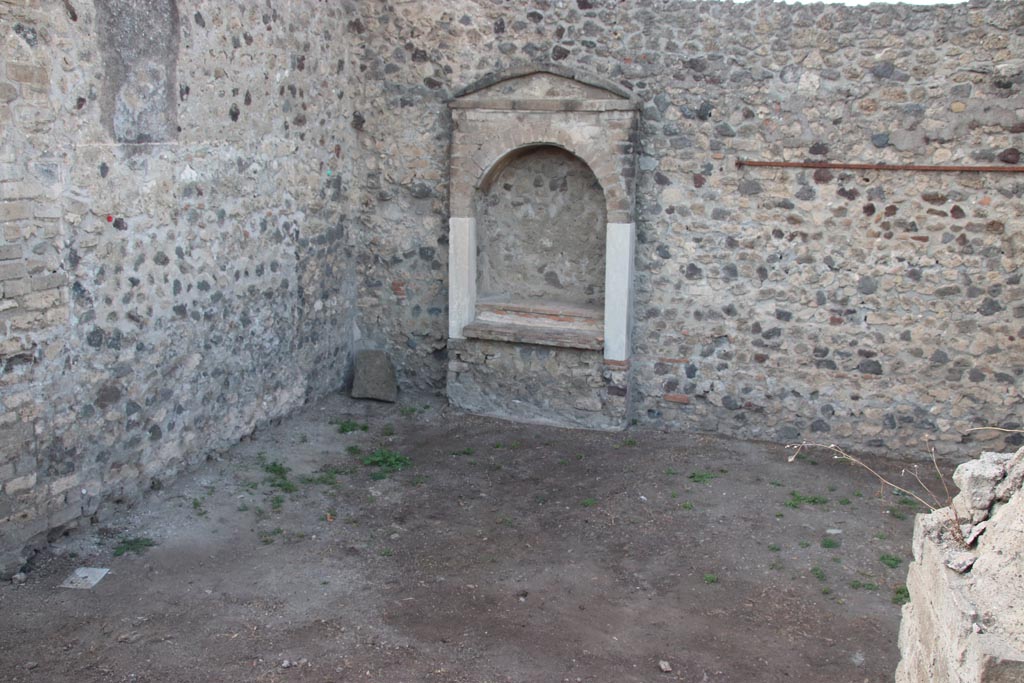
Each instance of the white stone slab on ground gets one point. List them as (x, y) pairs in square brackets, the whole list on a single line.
[(85, 577)]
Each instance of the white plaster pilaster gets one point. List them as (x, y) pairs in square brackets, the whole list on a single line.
[(461, 274), (618, 290)]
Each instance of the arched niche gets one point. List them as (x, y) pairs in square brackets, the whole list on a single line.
[(558, 126), (541, 217)]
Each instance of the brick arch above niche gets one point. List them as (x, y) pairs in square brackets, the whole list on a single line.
[(494, 120)]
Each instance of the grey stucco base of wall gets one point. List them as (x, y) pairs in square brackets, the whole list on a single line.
[(539, 384)]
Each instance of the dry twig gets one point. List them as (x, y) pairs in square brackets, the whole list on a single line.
[(839, 454)]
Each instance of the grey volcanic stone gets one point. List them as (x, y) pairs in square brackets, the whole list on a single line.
[(374, 377)]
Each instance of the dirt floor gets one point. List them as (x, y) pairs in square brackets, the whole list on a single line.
[(499, 552)]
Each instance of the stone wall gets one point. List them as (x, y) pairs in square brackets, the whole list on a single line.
[(965, 618), (537, 384), (877, 309), (177, 246), (206, 206)]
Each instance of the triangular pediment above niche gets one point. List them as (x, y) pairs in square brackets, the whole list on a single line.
[(541, 83)]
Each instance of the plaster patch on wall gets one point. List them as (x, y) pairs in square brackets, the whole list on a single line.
[(138, 41)]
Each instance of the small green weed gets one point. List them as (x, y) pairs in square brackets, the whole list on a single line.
[(407, 411), (830, 542), (347, 426), (896, 514), (629, 443), (323, 478), (805, 544), (863, 585), (387, 430), (267, 537), (844, 501), (197, 506), (588, 502), (890, 561), (386, 461), (774, 547), (796, 500), (276, 469), (686, 505), (354, 450), (901, 596), (710, 578), (700, 477), (327, 475), (464, 451), (671, 472), (136, 544), (277, 477), (387, 552), (276, 502), (818, 573)]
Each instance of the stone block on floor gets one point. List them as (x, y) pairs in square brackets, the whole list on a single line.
[(374, 377)]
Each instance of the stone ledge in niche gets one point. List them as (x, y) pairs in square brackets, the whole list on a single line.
[(541, 335), (545, 324)]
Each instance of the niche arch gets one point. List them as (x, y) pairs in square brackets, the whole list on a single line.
[(497, 122)]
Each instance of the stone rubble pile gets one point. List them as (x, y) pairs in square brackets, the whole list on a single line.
[(965, 618)]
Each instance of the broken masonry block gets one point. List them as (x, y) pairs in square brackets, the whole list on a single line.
[(374, 377)]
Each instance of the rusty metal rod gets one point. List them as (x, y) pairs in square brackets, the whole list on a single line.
[(740, 163)]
